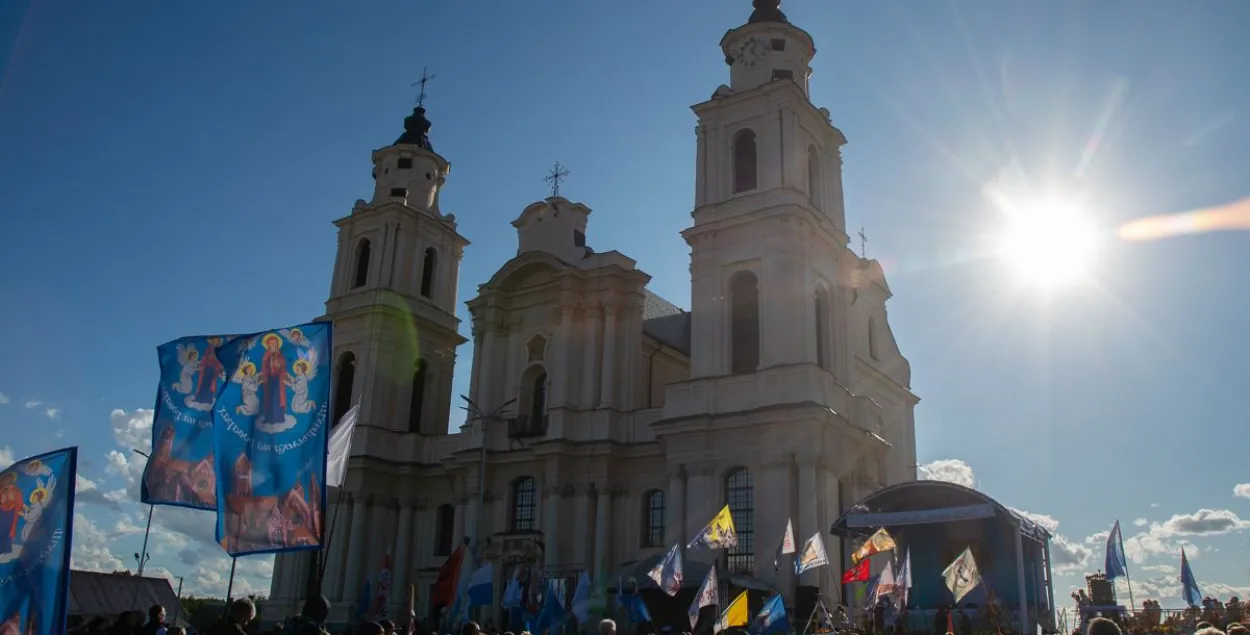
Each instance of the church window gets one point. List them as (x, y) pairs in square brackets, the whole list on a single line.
[(872, 338), (744, 327), (399, 192), (444, 527), (782, 73), (579, 238), (345, 376), (363, 254), (745, 167), (822, 328), (417, 401), (524, 504), (427, 272), (779, 44), (538, 398), (815, 184), (405, 163), (653, 531), (740, 496)]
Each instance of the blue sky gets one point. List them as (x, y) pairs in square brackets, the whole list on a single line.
[(173, 168)]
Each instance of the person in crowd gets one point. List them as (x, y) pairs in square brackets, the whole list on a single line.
[(156, 621), (940, 619), (312, 618), (1102, 626), (607, 627), (470, 628), (370, 628), (176, 630), (1210, 630)]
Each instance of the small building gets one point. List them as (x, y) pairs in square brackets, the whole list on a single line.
[(936, 521), (108, 595)]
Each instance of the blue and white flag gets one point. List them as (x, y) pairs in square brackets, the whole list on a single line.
[(270, 428), (181, 471), (904, 577), (812, 555), (581, 598), (481, 591), (36, 530), (628, 597), (772, 617), (707, 596), (1189, 586), (1116, 566), (667, 573), (512, 591)]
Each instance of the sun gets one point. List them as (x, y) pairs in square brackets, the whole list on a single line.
[(1048, 245)]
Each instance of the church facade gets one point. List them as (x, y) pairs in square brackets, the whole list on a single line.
[(606, 423)]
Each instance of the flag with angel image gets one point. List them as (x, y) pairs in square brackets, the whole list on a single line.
[(270, 427)]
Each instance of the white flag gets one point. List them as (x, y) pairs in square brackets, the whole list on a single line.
[(812, 555), (340, 447), (707, 596), (962, 575), (667, 573), (904, 577)]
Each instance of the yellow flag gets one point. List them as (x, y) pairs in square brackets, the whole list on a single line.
[(734, 615), (718, 534), (880, 541)]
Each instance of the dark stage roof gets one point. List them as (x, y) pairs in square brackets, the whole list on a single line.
[(956, 501)]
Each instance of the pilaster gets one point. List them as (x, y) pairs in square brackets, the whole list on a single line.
[(608, 383)]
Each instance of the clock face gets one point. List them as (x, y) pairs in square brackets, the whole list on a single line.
[(752, 52)]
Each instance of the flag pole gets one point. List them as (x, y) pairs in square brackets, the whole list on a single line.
[(230, 586), (1128, 578)]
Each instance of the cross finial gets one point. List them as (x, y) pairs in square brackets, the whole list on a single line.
[(553, 179), (863, 243), (425, 79)]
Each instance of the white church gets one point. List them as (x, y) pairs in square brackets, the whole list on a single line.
[(610, 423)]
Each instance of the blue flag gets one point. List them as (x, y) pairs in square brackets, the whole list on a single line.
[(270, 433), (36, 530), (772, 617), (1116, 565), (1189, 586), (180, 471)]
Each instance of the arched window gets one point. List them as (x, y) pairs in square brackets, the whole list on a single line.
[(745, 166), (538, 398), (872, 338), (653, 519), (417, 401), (345, 376), (815, 184), (740, 496), (822, 328), (524, 503), (363, 253), (744, 327), (427, 272), (444, 527)]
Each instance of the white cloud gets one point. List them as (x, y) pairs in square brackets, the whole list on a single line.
[(1167, 537), (33, 403), (6, 457), (1242, 490), (4, 399), (1155, 505), (1140, 522), (88, 492), (52, 413), (949, 470), (1065, 555)]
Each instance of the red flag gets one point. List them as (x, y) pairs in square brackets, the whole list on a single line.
[(448, 579), (857, 573), (950, 622)]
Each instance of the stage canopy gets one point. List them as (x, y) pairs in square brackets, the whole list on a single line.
[(937, 520)]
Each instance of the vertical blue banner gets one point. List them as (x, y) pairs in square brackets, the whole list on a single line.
[(36, 530), (270, 427), (180, 471)]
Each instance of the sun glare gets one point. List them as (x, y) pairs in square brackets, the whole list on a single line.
[(1049, 244)]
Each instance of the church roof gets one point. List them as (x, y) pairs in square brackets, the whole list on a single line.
[(767, 11), (666, 322)]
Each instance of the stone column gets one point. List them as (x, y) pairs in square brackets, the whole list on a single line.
[(700, 176), (808, 501), (675, 508), (477, 368), (486, 399), (403, 546), (558, 361), (356, 549), (703, 500), (581, 539), (517, 358), (340, 536), (608, 383), (590, 356), (603, 525), (458, 526), (551, 525)]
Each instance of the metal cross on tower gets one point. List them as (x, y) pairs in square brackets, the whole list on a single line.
[(863, 243), (425, 79), (553, 179)]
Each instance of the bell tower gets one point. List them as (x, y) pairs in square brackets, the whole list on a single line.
[(393, 292)]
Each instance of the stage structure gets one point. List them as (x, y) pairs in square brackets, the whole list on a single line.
[(936, 520)]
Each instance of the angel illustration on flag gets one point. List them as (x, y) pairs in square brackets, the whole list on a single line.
[(718, 534), (961, 575), (878, 542), (812, 555)]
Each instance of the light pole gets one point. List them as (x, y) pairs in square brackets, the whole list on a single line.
[(178, 606), (142, 556), (476, 412)]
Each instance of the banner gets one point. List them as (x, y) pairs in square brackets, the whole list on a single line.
[(269, 428), (36, 530), (180, 471)]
